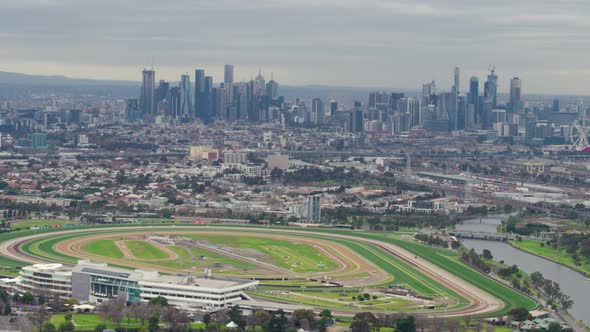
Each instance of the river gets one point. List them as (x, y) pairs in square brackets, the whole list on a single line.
[(572, 283)]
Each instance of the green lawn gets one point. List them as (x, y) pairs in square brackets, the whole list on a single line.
[(557, 255), (87, 322), (106, 248), (293, 256), (145, 250), (38, 223)]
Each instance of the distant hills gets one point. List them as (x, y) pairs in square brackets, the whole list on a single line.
[(9, 78)]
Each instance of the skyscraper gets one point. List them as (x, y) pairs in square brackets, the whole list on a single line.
[(228, 74), (491, 88), (379, 100), (456, 80), (185, 98), (174, 102), (162, 91), (200, 96), (473, 90), (317, 110), (208, 100), (147, 102), (272, 89), (555, 107), (515, 91)]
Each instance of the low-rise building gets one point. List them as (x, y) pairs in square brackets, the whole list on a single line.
[(46, 279)]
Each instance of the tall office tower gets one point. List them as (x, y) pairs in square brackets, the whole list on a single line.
[(132, 109), (413, 107), (428, 91), (260, 83), (147, 102), (272, 89), (456, 80), (356, 118), (209, 115), (253, 102), (394, 99), (185, 98), (473, 90), (333, 108), (461, 112), (515, 94), (555, 107), (313, 209), (162, 91), (317, 111), (228, 74), (447, 108), (379, 100), (471, 112), (220, 103), (486, 114), (174, 100), (200, 101), (491, 88)]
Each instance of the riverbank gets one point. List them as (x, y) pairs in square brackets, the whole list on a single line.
[(546, 252)]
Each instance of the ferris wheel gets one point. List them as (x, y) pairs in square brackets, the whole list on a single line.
[(579, 135)]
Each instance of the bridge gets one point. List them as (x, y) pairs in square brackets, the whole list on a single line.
[(481, 236)]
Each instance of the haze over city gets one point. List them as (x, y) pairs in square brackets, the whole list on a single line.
[(371, 43)]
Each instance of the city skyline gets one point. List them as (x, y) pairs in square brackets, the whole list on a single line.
[(396, 44)]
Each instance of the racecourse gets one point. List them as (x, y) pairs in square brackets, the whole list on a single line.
[(373, 258)]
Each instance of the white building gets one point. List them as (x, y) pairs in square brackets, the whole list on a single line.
[(46, 279), (192, 293)]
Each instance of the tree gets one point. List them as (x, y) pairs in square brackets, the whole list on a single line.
[(325, 320), (207, 320), (160, 300), (219, 318), (7, 309), (365, 322), (406, 324), (303, 315), (519, 314), (48, 327), (235, 315), (100, 327), (66, 327), (40, 316), (554, 327), (27, 298), (154, 323), (258, 318), (487, 254)]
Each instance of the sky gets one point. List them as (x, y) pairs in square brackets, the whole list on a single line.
[(369, 43)]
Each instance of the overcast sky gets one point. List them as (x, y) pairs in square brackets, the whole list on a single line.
[(384, 43)]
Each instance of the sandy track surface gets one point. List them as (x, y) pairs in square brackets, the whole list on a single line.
[(480, 301)]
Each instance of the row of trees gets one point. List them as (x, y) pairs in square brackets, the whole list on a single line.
[(551, 291), (400, 322)]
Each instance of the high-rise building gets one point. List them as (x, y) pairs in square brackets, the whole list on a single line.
[(272, 89), (260, 83), (253, 102), (428, 91), (185, 98), (413, 107), (162, 91), (317, 111), (132, 109), (200, 97), (147, 102), (313, 209), (39, 140), (491, 88), (515, 94), (174, 102), (356, 124), (456, 80), (473, 90), (379, 100), (209, 113), (555, 107), (228, 74), (333, 108)]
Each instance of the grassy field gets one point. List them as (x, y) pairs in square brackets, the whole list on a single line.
[(293, 256), (87, 322), (450, 262), (106, 248), (145, 250), (557, 255), (37, 223)]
